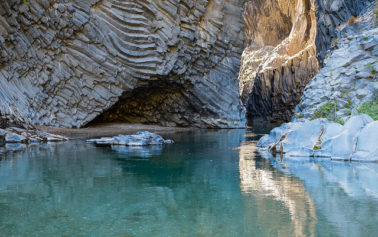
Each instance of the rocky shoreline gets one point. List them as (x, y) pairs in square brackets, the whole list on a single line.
[(357, 140), (335, 118)]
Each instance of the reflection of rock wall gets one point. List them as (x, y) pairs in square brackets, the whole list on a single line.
[(286, 40), (270, 183), (63, 64), (341, 191)]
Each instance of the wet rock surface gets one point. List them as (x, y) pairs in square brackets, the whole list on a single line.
[(63, 63), (357, 140), (143, 138)]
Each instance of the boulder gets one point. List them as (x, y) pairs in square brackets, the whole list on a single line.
[(357, 140), (15, 138), (302, 140), (144, 138), (367, 143), (342, 146)]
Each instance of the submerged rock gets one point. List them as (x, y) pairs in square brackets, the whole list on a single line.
[(357, 140), (139, 139)]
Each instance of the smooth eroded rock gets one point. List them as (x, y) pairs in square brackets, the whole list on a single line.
[(139, 139), (357, 140)]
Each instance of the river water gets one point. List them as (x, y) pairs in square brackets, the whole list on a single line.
[(210, 183)]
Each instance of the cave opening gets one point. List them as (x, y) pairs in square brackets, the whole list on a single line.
[(154, 103)]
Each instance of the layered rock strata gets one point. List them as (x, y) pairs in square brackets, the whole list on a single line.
[(287, 41), (63, 63)]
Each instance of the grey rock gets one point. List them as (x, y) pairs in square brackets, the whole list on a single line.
[(357, 140), (65, 64), (14, 138), (367, 143), (279, 63), (144, 138), (342, 146), (350, 88)]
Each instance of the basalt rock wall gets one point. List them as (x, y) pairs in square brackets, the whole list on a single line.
[(65, 63), (287, 43)]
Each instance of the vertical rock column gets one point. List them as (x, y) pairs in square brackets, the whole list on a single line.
[(280, 58)]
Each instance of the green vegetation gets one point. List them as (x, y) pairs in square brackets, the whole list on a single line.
[(328, 111), (370, 108), (348, 105), (325, 111)]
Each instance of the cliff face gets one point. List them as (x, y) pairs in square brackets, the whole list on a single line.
[(287, 41), (155, 61)]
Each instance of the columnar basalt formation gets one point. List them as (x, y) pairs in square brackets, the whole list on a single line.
[(64, 63), (287, 42), (280, 58)]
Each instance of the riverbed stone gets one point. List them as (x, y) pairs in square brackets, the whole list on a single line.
[(14, 138), (357, 140), (367, 143), (143, 138)]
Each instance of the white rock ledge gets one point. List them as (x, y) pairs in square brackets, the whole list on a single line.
[(18, 136), (357, 140), (144, 138)]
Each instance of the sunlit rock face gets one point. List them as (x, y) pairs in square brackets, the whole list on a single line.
[(287, 41), (65, 63)]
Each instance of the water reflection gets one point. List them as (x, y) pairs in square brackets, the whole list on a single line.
[(345, 194), (138, 152), (204, 185), (257, 178)]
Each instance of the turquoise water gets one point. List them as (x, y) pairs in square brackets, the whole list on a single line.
[(207, 184)]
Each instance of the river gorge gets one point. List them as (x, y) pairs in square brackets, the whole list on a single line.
[(209, 183), (188, 118)]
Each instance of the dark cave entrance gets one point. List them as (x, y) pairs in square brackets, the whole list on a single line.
[(156, 103)]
